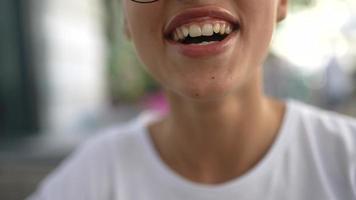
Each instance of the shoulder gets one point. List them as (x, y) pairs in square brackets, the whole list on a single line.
[(121, 138), (320, 158), (325, 135), (115, 142), (324, 145), (320, 122), (95, 163)]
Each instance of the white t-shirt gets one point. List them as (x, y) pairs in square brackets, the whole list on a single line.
[(313, 157)]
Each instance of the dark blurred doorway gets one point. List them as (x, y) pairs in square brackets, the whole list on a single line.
[(18, 104)]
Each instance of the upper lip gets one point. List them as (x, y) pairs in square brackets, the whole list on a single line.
[(192, 14)]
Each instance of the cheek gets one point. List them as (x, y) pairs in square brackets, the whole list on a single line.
[(257, 33), (144, 37), (146, 34)]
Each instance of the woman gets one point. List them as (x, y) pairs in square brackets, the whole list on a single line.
[(223, 138)]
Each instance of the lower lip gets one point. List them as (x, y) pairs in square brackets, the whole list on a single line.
[(198, 51)]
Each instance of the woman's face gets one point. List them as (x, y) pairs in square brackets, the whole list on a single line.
[(203, 49)]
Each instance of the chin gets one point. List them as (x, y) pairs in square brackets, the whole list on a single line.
[(205, 92)]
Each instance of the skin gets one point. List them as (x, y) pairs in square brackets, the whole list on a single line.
[(221, 124)]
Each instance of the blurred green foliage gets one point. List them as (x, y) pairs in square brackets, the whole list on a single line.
[(297, 5)]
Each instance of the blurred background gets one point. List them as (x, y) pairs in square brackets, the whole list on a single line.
[(66, 70)]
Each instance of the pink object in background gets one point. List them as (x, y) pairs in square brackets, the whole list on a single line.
[(156, 102)]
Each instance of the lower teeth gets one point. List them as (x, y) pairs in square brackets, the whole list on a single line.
[(205, 43)]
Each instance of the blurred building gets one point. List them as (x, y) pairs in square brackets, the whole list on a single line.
[(52, 85), (70, 56), (53, 62)]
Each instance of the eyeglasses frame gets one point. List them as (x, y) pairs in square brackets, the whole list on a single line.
[(138, 1)]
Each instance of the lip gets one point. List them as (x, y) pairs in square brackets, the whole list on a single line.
[(199, 14), (200, 51)]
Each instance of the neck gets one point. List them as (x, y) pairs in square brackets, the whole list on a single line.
[(228, 136)]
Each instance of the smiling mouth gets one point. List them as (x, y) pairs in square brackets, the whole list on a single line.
[(202, 33), (201, 26)]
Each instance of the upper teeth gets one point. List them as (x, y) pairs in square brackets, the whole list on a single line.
[(197, 30)]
